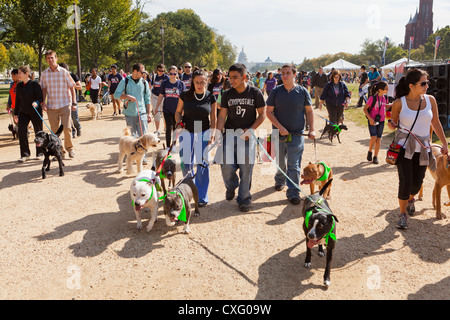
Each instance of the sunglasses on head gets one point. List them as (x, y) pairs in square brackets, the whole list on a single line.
[(425, 83)]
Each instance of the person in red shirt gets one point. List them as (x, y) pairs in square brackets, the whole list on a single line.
[(11, 104)]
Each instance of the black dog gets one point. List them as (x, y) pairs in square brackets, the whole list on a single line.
[(333, 131), (320, 228), (14, 130), (51, 146), (168, 169)]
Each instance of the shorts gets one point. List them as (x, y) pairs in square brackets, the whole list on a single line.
[(154, 99), (376, 130)]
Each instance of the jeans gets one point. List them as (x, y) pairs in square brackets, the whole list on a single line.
[(76, 127), (191, 153), (290, 155), (135, 125), (244, 162)]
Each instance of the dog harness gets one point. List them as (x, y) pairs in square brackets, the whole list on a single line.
[(182, 215), (138, 145), (150, 182), (329, 234), (326, 172)]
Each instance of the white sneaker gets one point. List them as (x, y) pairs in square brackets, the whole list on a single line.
[(23, 159)]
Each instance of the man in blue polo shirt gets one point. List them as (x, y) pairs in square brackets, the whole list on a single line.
[(287, 106)]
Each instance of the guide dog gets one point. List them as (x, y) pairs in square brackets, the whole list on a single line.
[(135, 149), (177, 202), (51, 146), (320, 228), (144, 195), (333, 131)]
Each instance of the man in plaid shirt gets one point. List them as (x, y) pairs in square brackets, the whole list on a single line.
[(58, 89)]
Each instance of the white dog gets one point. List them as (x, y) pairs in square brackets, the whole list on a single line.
[(96, 110), (145, 196), (135, 149)]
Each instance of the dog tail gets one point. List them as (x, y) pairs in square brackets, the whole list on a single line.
[(325, 187), (60, 130), (127, 131)]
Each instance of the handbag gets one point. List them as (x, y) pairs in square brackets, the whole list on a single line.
[(394, 148)]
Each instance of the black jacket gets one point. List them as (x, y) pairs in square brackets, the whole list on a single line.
[(26, 94), (319, 80)]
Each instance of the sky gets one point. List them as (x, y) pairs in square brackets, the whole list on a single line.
[(290, 30)]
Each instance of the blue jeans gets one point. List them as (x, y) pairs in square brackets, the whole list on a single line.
[(191, 153), (290, 155), (240, 156), (135, 126), (76, 127)]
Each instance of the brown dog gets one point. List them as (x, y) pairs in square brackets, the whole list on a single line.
[(318, 174), (442, 178)]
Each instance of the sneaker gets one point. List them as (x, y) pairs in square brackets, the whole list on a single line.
[(157, 133), (202, 204), (410, 209), (114, 114), (71, 154), (229, 195), (294, 200), (402, 223), (40, 157), (369, 156), (245, 207), (23, 159), (375, 160), (279, 187)]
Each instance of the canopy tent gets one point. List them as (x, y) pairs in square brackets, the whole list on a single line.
[(342, 65), (399, 61)]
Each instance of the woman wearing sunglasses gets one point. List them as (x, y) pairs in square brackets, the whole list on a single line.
[(197, 111), (170, 91), (414, 111)]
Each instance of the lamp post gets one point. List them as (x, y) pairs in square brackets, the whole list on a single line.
[(161, 30), (77, 44)]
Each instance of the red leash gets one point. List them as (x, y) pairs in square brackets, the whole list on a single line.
[(181, 125)]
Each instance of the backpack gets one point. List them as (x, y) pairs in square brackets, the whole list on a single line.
[(126, 83)]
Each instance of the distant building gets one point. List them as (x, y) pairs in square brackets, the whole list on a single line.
[(243, 57), (420, 26)]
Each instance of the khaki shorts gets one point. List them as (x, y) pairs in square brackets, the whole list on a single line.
[(157, 116)]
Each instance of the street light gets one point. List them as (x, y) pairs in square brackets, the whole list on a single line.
[(161, 30)]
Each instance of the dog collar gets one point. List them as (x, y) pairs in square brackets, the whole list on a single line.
[(330, 234), (182, 215), (326, 172)]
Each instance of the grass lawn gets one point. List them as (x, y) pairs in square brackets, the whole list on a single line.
[(4, 93)]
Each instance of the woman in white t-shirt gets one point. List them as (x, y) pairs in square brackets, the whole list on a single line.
[(415, 111), (95, 85)]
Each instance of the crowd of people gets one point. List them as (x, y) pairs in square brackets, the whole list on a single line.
[(232, 102)]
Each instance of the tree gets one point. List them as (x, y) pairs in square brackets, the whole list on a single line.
[(20, 54), (107, 27), (444, 48), (39, 24), (3, 57)]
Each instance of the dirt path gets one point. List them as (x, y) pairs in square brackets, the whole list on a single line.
[(74, 237)]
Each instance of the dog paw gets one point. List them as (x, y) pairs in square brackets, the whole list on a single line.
[(321, 254), (186, 229), (327, 282), (61, 174), (139, 226), (441, 216), (196, 214), (307, 265)]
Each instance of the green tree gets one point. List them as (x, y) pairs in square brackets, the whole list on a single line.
[(444, 48), (39, 24), (106, 27), (20, 54), (3, 57)]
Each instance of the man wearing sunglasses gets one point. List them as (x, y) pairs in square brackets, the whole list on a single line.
[(136, 95), (186, 76), (156, 82), (287, 107)]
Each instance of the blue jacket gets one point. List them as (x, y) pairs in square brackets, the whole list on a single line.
[(140, 90), (330, 97)]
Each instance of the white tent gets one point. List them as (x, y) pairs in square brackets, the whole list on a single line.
[(399, 61), (342, 65)]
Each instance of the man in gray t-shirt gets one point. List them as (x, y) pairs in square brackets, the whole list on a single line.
[(287, 106)]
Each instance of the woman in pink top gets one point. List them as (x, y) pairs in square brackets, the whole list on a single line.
[(375, 110)]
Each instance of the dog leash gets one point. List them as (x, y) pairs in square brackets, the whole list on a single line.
[(35, 109), (334, 125), (414, 136)]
